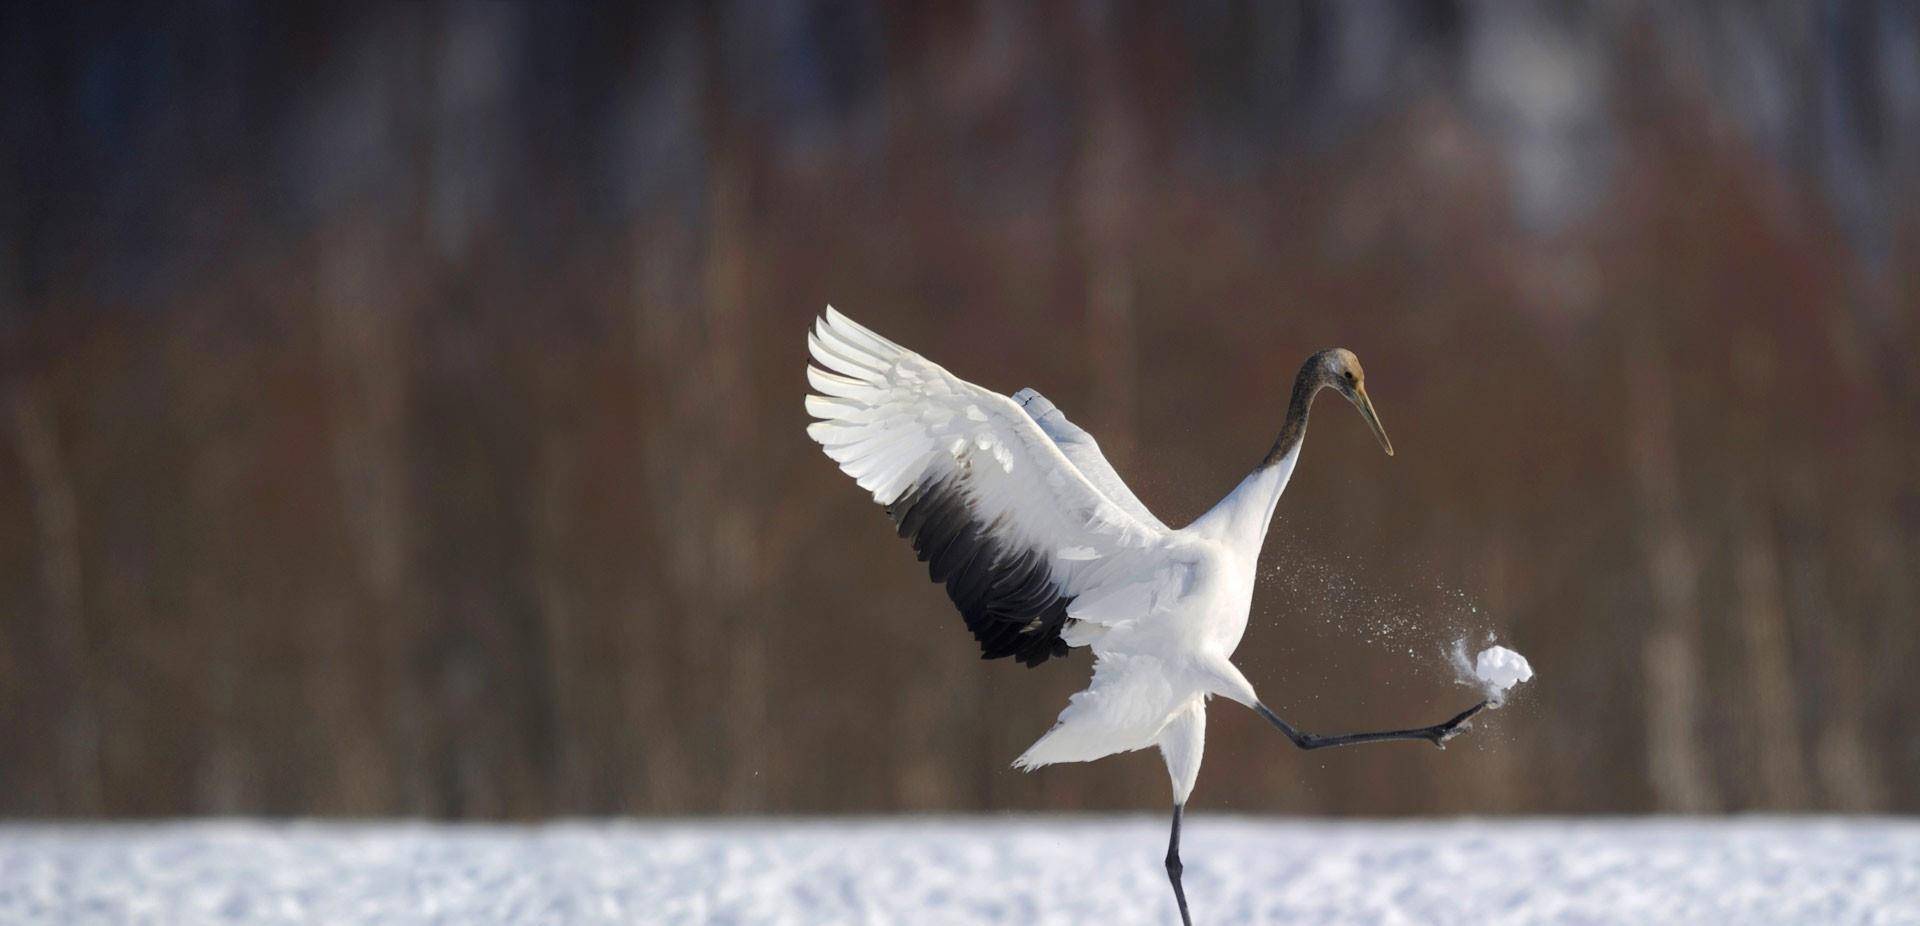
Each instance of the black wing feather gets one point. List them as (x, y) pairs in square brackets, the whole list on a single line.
[(1003, 591)]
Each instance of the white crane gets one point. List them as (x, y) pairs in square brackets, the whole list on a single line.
[(1042, 547)]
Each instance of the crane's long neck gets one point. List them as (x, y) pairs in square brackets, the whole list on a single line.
[(1241, 519)]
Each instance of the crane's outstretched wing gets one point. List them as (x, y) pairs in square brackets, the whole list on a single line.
[(1002, 518), (1083, 452)]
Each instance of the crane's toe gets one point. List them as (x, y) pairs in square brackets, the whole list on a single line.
[(1452, 728)]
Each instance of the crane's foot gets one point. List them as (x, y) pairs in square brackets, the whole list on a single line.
[(1439, 733)]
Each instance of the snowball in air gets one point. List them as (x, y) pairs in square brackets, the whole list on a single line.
[(1498, 669)]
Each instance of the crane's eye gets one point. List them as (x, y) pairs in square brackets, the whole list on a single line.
[(1349, 376)]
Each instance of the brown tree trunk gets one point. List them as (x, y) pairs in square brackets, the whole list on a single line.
[(363, 351), (56, 522), (1677, 764), (1774, 709)]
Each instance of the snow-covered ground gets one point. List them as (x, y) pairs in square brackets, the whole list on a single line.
[(967, 870)]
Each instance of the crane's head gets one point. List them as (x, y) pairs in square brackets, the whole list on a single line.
[(1340, 371)]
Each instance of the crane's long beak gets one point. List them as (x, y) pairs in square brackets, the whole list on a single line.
[(1365, 405)]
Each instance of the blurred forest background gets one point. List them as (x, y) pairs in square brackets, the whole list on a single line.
[(400, 406)]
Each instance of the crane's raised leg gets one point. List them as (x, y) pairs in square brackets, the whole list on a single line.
[(1438, 734), (1174, 867)]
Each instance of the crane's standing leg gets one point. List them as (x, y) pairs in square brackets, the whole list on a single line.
[(1181, 743), (1174, 868), (1438, 734)]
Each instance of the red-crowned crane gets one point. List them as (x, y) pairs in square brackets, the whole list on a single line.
[(1042, 547)]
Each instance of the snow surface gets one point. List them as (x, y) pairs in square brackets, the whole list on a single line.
[(968, 870)]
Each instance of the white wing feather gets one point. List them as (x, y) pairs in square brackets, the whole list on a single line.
[(894, 421), (1083, 452)]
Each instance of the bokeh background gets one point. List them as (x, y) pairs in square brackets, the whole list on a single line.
[(400, 406)]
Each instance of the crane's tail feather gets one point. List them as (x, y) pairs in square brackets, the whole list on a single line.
[(1068, 742), (1130, 700)]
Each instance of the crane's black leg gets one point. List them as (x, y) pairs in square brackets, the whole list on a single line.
[(1438, 734), (1174, 868)]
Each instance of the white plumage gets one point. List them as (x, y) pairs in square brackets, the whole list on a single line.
[(1042, 546), (1162, 609)]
